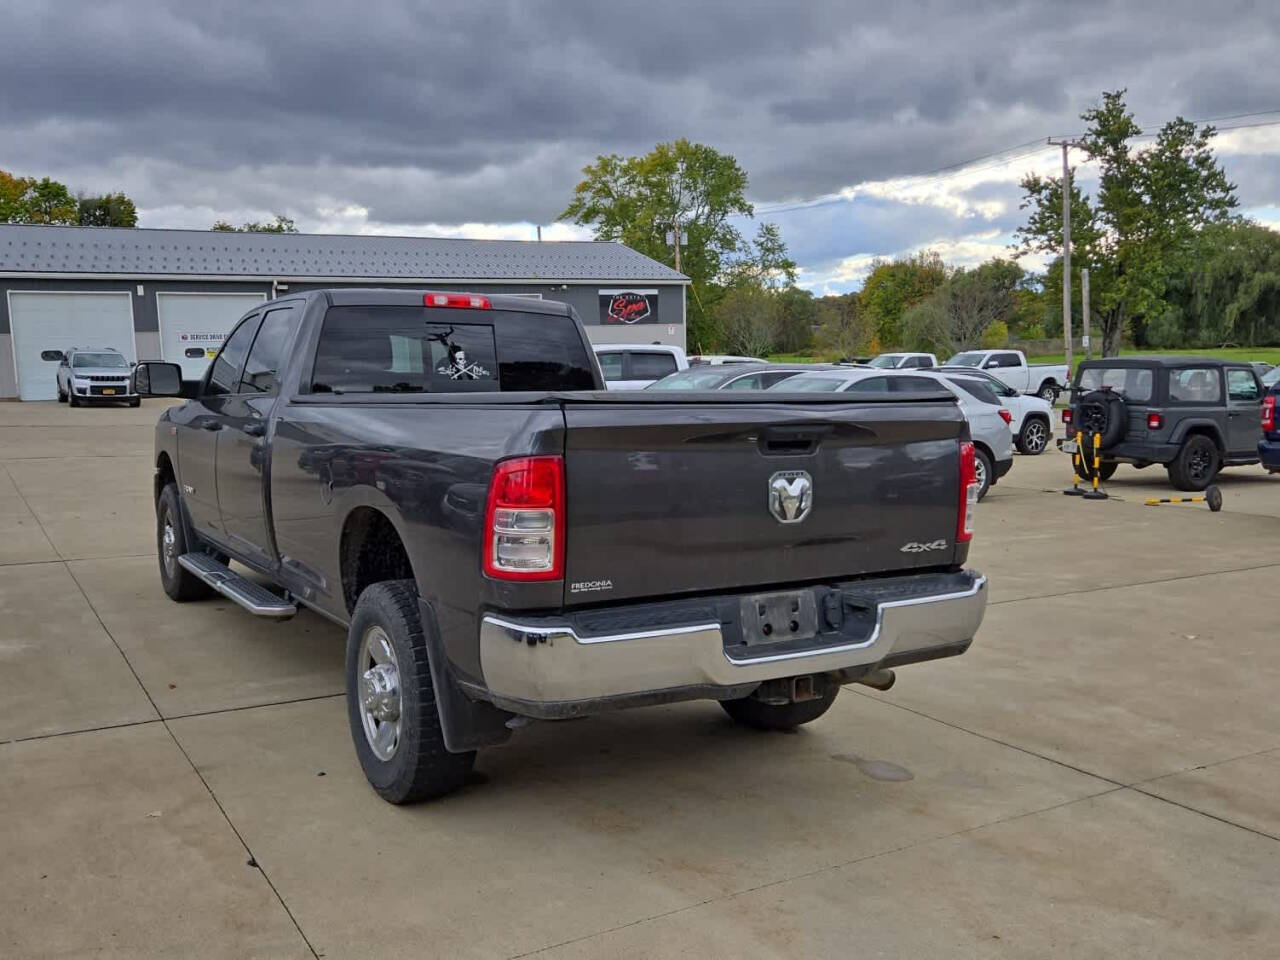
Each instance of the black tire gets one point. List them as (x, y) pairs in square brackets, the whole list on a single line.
[(1196, 464), (1034, 436), (135, 402), (1106, 469), (985, 471), (780, 716), (418, 767), (62, 397), (1102, 413), (171, 543), (72, 399), (1048, 391)]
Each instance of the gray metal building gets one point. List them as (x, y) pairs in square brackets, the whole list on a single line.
[(174, 294)]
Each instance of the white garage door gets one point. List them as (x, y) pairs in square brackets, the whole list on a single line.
[(193, 326), (59, 321)]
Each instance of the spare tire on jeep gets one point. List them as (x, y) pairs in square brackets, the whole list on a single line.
[(1102, 412)]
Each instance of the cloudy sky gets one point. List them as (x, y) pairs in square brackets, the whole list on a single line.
[(474, 118)]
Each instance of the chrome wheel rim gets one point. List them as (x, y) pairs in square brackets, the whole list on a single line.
[(169, 545), (980, 470), (379, 692), (1034, 436)]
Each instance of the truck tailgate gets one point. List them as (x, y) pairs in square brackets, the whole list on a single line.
[(675, 497)]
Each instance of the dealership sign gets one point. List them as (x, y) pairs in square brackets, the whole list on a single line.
[(628, 306)]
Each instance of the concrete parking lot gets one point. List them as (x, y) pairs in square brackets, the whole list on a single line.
[(1098, 776)]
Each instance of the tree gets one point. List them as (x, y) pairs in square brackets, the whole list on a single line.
[(1140, 230), (763, 262), (974, 300), (844, 331), (893, 286), (797, 316), (108, 210), (678, 186), (27, 200), (282, 224), (749, 318)]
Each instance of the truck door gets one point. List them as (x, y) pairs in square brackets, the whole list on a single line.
[(243, 463), (203, 420), (1010, 368), (1244, 412)]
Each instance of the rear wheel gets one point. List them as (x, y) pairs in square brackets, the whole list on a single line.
[(982, 463), (1196, 464), (1048, 391), (778, 716), (1034, 437), (171, 543), (391, 703)]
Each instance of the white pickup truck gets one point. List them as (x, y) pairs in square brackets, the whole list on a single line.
[(1044, 380)]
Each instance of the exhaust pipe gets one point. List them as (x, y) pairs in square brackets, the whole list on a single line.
[(879, 679)]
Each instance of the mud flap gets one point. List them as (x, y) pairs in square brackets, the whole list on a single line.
[(465, 723)]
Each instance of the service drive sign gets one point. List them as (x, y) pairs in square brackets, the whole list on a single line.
[(207, 343), (628, 306)]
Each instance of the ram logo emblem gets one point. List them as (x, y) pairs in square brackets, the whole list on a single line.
[(790, 495)]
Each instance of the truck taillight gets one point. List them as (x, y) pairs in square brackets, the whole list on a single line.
[(524, 520), (1005, 415), (1154, 421), (460, 301), (969, 488), (1269, 413)]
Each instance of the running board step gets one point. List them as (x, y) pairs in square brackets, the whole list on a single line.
[(254, 597)]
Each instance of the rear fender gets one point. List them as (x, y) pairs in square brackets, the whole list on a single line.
[(1203, 425)]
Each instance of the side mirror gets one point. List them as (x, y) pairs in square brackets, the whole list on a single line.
[(153, 378), (54, 356)]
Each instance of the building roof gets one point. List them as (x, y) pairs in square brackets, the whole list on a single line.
[(104, 251)]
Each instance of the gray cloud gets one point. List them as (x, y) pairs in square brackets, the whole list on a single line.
[(460, 111)]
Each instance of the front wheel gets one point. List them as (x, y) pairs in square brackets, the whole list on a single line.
[(171, 543), (1034, 437), (751, 712), (391, 703), (135, 402), (72, 399)]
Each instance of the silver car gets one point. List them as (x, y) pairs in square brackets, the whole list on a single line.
[(988, 421), (95, 375)]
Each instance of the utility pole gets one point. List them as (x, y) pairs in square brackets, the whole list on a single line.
[(1084, 311), (673, 238), (1066, 244)]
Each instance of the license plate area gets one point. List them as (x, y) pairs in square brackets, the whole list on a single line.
[(1070, 446), (776, 617), (108, 391)]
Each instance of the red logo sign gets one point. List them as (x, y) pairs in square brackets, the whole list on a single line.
[(629, 307)]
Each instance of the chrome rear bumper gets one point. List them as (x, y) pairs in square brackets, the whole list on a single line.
[(531, 662)]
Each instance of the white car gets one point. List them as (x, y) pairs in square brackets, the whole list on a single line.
[(988, 421), (904, 361), (716, 359), (1032, 423), (633, 366), (94, 374)]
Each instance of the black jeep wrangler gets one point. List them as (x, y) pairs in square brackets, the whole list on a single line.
[(1193, 415)]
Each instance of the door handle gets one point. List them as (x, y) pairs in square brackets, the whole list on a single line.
[(212, 424), (254, 429)]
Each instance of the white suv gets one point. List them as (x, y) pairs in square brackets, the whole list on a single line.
[(94, 374)]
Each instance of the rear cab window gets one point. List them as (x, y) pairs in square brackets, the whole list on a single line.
[(611, 364), (648, 365), (409, 349)]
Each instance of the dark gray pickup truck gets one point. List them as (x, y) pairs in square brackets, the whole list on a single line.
[(445, 476)]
